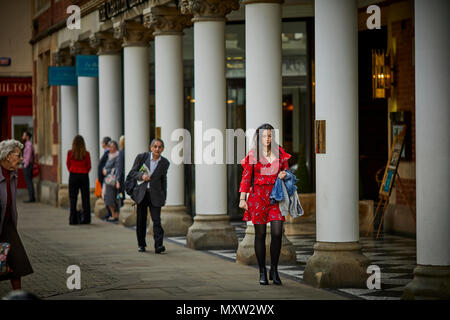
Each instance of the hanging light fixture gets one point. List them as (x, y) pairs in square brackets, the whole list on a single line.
[(381, 77)]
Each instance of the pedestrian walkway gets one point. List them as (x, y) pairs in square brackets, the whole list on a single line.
[(112, 268), (394, 255)]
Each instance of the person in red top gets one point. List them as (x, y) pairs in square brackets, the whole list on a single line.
[(264, 163), (79, 165)]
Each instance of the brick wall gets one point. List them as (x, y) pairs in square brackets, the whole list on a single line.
[(56, 13), (403, 31)]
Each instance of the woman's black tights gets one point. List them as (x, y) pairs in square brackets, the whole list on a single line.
[(275, 243)]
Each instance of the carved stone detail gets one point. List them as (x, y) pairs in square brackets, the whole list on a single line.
[(62, 58), (133, 33), (81, 47), (105, 43), (166, 20), (208, 9)]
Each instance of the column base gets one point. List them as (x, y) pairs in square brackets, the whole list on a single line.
[(127, 215), (100, 210), (337, 265), (246, 250), (430, 282), (211, 232), (174, 220), (63, 196)]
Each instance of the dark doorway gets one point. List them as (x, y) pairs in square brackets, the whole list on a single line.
[(373, 116)]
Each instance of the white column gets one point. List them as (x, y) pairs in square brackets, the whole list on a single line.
[(263, 98), (432, 274), (68, 125), (88, 120), (432, 132), (169, 106), (211, 228), (136, 102), (336, 50), (338, 260), (263, 65), (210, 113), (110, 95)]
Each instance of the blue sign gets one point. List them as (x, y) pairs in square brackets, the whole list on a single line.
[(87, 66), (390, 174), (62, 76), (5, 61)]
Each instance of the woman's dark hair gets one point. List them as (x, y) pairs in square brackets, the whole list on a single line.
[(78, 148), (257, 141)]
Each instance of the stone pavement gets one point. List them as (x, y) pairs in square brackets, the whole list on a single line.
[(112, 268)]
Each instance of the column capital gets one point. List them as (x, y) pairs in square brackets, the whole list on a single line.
[(133, 33), (166, 20), (245, 2), (105, 43), (81, 47), (204, 10), (62, 57)]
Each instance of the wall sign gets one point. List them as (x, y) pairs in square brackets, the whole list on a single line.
[(5, 61), (87, 65), (62, 76)]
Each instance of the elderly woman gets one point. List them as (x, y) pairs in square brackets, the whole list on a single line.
[(10, 158), (110, 171)]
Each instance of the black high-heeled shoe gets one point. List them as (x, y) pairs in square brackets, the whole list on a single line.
[(263, 277), (274, 276)]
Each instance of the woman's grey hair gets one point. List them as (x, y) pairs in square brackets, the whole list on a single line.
[(8, 146), (113, 142), (155, 140)]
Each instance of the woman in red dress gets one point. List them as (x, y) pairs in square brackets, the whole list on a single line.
[(263, 164)]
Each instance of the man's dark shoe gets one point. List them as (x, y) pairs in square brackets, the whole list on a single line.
[(160, 249), (141, 249), (29, 201)]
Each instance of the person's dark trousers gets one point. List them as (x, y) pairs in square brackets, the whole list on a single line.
[(77, 182), (28, 174), (141, 222)]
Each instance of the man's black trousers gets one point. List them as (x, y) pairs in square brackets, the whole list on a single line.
[(141, 222)]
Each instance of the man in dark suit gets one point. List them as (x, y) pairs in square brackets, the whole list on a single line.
[(151, 192)]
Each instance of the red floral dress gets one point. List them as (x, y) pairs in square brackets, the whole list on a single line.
[(260, 211)]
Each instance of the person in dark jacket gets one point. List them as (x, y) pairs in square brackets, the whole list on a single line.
[(79, 165), (17, 259), (150, 173), (101, 165)]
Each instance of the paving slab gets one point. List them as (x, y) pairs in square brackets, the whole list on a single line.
[(112, 268)]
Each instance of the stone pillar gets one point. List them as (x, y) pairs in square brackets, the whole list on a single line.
[(211, 228), (136, 95), (109, 53), (88, 110), (168, 24), (264, 97), (432, 274), (68, 125), (338, 261)]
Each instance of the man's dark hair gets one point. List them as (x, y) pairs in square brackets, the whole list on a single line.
[(106, 140), (157, 139), (29, 134)]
